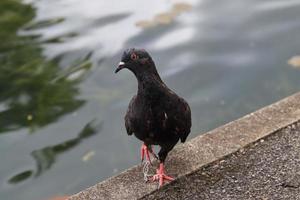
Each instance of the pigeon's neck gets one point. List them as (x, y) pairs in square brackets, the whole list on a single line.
[(150, 85)]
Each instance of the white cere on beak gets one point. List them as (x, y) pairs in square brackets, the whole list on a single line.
[(121, 63), (166, 116)]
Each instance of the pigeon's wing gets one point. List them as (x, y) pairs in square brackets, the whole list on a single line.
[(129, 117), (180, 120), (186, 123)]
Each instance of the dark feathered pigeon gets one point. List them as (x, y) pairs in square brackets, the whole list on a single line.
[(155, 115)]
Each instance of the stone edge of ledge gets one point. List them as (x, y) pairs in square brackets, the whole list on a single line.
[(200, 150)]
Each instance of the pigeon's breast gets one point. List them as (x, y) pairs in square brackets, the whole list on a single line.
[(147, 124)]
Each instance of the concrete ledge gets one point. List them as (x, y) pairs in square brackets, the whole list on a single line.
[(200, 151)]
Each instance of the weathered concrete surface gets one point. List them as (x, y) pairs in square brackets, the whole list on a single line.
[(267, 169), (200, 151)]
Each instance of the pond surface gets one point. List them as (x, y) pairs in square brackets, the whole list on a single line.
[(62, 107)]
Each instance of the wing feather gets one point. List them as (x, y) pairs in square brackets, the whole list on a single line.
[(179, 121), (129, 117)]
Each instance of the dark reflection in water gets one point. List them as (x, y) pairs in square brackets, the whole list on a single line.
[(46, 156)]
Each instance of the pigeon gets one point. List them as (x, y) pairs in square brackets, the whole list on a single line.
[(156, 115)]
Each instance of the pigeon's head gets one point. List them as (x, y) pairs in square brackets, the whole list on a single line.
[(137, 61)]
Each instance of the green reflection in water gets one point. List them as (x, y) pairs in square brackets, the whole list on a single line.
[(46, 156), (35, 91), (28, 93), (20, 177), (43, 24)]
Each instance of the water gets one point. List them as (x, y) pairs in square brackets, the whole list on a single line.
[(62, 107)]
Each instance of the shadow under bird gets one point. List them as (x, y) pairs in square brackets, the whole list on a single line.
[(155, 115)]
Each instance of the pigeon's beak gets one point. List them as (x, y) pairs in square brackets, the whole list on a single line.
[(121, 66)]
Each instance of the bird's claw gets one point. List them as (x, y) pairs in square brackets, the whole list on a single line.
[(160, 176)]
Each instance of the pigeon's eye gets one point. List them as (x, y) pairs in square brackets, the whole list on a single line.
[(134, 56)]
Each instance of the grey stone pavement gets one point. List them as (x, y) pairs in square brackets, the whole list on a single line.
[(268, 169)]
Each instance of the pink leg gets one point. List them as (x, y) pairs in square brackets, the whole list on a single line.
[(160, 175), (145, 152)]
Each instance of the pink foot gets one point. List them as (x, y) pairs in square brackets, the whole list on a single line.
[(160, 175)]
